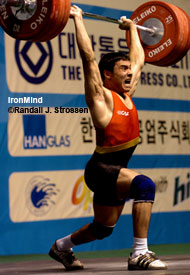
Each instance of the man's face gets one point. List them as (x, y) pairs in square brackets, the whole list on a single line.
[(121, 76)]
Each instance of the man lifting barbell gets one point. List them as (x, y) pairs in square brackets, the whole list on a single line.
[(108, 91), (164, 34)]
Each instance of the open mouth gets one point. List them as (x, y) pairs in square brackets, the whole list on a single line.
[(127, 81)]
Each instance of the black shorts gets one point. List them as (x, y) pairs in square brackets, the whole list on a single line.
[(101, 174)]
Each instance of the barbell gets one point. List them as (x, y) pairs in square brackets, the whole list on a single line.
[(164, 29)]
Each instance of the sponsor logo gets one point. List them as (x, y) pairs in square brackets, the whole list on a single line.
[(122, 113), (34, 60), (144, 14), (161, 48), (40, 195), (81, 195), (181, 190), (35, 136), (161, 184)]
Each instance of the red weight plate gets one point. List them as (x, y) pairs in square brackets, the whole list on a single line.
[(59, 22), (66, 16), (187, 46), (180, 49), (48, 30), (24, 27), (45, 34), (188, 26), (63, 18), (162, 12), (181, 46)]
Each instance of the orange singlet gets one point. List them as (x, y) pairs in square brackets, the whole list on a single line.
[(122, 131)]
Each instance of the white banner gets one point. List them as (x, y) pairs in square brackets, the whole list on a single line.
[(164, 133), (42, 134), (55, 67), (51, 195), (73, 133)]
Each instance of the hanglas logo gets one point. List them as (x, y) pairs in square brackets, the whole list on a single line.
[(35, 136)]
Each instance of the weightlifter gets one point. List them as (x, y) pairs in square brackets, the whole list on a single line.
[(108, 91)]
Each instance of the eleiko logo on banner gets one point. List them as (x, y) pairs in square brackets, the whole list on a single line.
[(35, 68), (35, 136)]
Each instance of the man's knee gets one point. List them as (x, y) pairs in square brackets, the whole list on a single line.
[(100, 231), (142, 189)]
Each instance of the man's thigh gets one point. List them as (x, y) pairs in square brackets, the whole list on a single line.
[(124, 180), (107, 215)]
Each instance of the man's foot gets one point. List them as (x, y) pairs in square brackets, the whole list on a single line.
[(67, 258), (146, 261)]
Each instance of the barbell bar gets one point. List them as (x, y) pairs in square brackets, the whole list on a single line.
[(152, 31), (163, 28)]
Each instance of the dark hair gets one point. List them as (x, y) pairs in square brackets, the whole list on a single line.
[(108, 61)]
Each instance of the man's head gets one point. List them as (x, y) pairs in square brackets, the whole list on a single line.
[(108, 61), (116, 73)]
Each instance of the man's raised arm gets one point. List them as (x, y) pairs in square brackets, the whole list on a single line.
[(136, 52)]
